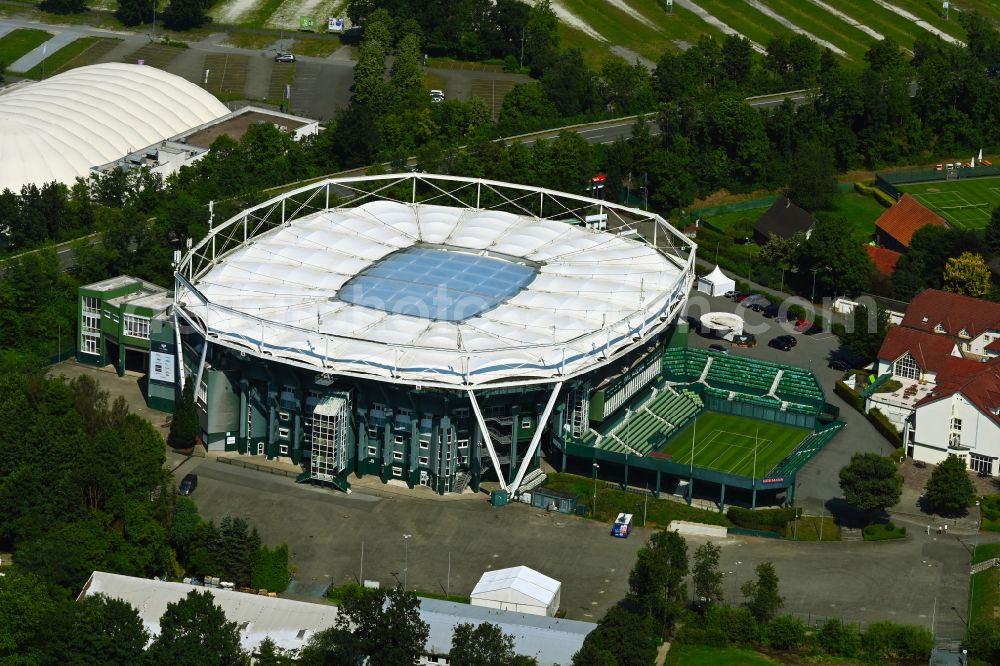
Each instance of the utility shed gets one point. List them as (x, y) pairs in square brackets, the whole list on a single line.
[(518, 589)]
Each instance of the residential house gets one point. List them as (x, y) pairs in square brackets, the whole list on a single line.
[(894, 229)]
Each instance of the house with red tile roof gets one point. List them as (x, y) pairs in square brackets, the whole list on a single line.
[(883, 258), (894, 229), (945, 354)]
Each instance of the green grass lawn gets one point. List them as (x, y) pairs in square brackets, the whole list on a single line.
[(966, 203), (734, 444), (702, 655), (824, 25), (658, 512), (813, 528), (16, 43), (75, 54), (859, 211), (984, 587)]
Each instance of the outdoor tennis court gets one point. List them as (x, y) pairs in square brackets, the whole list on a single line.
[(726, 443), (966, 204)]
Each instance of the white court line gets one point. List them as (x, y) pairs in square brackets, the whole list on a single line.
[(849, 20), (767, 11)]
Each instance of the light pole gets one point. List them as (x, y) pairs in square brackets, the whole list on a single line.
[(596, 467), (406, 557), (816, 270)]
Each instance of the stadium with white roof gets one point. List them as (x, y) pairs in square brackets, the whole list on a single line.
[(427, 329)]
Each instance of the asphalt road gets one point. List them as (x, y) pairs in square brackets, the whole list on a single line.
[(919, 580)]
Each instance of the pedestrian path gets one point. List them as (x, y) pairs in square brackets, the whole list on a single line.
[(34, 57), (4, 29)]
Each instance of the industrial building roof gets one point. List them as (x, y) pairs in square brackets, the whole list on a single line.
[(57, 129), (462, 295), (292, 623)]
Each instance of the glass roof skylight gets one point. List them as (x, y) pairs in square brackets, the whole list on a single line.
[(437, 284)]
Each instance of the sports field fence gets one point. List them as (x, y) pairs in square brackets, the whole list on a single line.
[(887, 182)]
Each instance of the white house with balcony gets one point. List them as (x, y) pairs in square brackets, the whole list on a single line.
[(945, 355)]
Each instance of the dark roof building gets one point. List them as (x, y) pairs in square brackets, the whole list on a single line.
[(783, 219), (894, 229)]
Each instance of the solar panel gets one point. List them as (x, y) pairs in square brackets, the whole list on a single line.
[(437, 284)]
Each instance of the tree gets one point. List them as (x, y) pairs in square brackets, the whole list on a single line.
[(656, 582), (622, 638), (185, 427), (269, 654), (382, 626), (870, 482), (761, 595), (868, 330), (967, 274), (26, 604), (813, 180), (481, 645), (63, 6), (134, 12), (706, 576), (842, 264), (569, 83), (270, 569), (785, 632), (186, 14), (950, 491), (993, 233), (195, 632), (983, 640), (95, 631), (406, 83)]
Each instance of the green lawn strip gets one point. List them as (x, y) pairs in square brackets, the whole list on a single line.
[(249, 40), (318, 48), (619, 28), (813, 528), (18, 42), (988, 8), (261, 13), (444, 597), (726, 443), (984, 587), (858, 210), (703, 655), (883, 532), (659, 512), (60, 58), (681, 24), (746, 20), (884, 21), (931, 13), (595, 52), (824, 25), (725, 220)]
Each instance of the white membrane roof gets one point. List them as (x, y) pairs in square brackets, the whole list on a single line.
[(57, 129), (590, 294)]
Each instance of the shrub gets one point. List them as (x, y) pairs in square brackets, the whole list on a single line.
[(883, 531), (785, 632), (697, 636), (888, 641), (772, 520), (738, 624), (852, 398), (838, 639), (889, 386), (885, 426), (270, 569)]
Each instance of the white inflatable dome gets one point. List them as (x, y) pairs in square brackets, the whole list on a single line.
[(57, 129)]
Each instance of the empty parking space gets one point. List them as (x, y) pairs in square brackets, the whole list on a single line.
[(227, 74), (154, 55)]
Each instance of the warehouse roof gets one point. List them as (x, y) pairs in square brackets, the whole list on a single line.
[(57, 129)]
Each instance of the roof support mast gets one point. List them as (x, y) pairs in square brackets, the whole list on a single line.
[(535, 439), (486, 435)]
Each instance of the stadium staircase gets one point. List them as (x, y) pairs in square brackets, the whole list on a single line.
[(777, 380), (652, 423), (461, 481), (532, 480)]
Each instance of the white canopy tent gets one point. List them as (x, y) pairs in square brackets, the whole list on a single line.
[(716, 283), (518, 589)]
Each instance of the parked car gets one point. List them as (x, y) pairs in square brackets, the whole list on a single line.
[(741, 298), (284, 57), (719, 348), (736, 295), (745, 340), (730, 294), (771, 311), (781, 342), (188, 484), (802, 325), (838, 364), (813, 329), (437, 96)]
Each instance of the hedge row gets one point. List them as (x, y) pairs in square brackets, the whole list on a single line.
[(883, 531), (771, 520), (872, 191), (270, 569), (851, 397), (881, 642), (885, 427)]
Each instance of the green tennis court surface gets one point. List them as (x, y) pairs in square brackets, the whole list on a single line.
[(726, 444), (965, 204)]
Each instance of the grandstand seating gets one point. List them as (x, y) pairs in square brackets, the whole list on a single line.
[(650, 423), (805, 451)]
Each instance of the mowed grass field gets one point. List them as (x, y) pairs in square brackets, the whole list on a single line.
[(965, 204), (727, 443)]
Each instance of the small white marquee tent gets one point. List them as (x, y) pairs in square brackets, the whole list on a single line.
[(716, 283), (518, 589)]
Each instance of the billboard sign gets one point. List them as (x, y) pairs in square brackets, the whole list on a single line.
[(335, 24), (161, 362)]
